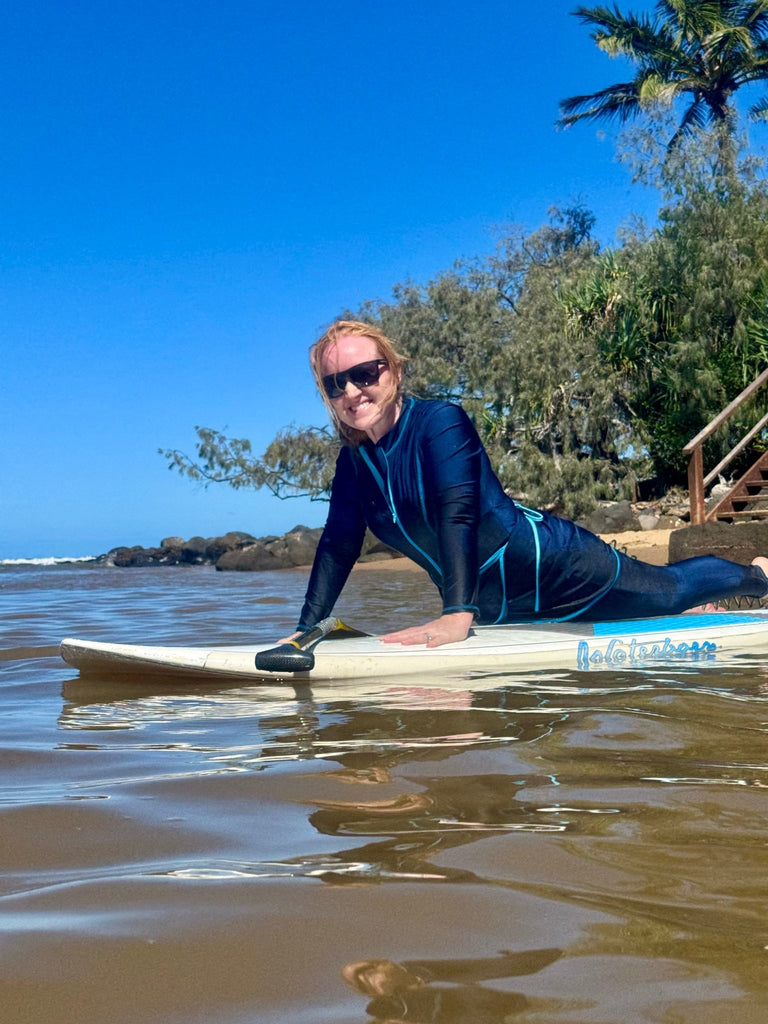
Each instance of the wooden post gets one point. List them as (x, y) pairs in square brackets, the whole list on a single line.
[(696, 486)]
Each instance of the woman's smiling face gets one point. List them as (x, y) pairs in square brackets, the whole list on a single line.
[(368, 408)]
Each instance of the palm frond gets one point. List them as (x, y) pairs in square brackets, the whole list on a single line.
[(705, 49), (759, 111), (619, 102)]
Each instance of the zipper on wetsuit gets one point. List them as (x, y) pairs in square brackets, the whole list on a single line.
[(389, 500)]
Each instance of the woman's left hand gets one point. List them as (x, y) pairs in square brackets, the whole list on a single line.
[(448, 629)]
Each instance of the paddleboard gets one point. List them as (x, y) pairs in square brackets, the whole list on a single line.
[(636, 643)]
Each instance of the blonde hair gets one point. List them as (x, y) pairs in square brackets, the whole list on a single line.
[(395, 364)]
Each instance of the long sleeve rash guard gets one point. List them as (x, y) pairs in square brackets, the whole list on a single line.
[(428, 490)]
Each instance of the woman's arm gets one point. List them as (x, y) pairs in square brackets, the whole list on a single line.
[(339, 547)]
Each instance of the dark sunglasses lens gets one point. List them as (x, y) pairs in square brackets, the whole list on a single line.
[(362, 376), (331, 386)]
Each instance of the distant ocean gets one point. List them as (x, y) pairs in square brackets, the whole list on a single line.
[(50, 560)]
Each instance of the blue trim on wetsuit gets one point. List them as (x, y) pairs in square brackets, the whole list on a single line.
[(389, 498)]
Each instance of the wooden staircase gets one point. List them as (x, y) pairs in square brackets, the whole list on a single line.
[(747, 499)]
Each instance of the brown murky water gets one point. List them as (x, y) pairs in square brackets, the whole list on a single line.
[(554, 847)]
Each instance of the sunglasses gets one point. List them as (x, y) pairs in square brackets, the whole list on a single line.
[(362, 376)]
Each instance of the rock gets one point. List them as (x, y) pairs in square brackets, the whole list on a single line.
[(135, 557), (297, 547), (375, 550), (739, 542), (670, 522), (648, 521), (615, 517), (254, 558), (232, 541), (293, 549), (194, 551)]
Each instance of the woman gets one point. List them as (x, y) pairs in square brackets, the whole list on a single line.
[(416, 474)]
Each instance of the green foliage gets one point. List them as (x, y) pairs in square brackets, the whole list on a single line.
[(683, 314), (299, 462), (492, 335), (700, 51), (582, 370)]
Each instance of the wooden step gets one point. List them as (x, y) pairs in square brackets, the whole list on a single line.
[(750, 491), (754, 513)]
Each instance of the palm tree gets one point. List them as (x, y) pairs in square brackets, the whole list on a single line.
[(703, 50)]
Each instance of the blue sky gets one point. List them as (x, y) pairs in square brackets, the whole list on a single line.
[(190, 192)]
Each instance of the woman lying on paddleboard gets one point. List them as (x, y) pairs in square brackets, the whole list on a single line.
[(416, 474)]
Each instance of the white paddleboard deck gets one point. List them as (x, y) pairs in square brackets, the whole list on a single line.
[(635, 643)]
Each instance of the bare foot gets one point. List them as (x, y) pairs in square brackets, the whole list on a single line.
[(762, 563)]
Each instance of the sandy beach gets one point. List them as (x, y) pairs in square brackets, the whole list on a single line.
[(647, 545)]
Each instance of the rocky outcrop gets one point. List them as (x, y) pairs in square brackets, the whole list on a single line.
[(666, 513), (176, 551), (237, 551), (242, 552), (295, 548)]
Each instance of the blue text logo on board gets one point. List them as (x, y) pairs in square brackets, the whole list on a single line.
[(634, 651)]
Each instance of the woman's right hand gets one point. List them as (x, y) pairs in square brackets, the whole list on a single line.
[(287, 639)]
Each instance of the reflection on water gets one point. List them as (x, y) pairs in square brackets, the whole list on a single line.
[(550, 847), (445, 991)]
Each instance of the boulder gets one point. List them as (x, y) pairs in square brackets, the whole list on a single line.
[(234, 540), (172, 543), (613, 517), (253, 558), (239, 551), (297, 547), (738, 542), (194, 551), (135, 557), (376, 551)]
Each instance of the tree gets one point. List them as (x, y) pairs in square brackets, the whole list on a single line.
[(699, 50), (683, 313), (298, 463), (492, 335)]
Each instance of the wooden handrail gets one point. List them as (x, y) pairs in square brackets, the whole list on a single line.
[(697, 482)]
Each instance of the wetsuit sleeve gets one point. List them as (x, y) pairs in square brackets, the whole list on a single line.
[(339, 547), (452, 459)]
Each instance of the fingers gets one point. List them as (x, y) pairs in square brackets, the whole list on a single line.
[(412, 637), (287, 639), (448, 629)]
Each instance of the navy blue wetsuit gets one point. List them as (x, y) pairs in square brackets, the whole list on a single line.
[(427, 489)]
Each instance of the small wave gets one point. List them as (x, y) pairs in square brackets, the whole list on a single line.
[(47, 561)]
